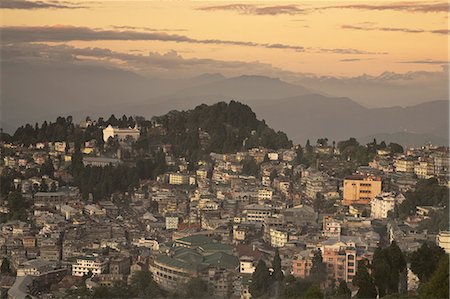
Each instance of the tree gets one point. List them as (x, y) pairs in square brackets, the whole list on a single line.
[(343, 291), (428, 193), (395, 148), (424, 261), (318, 270), (260, 280), (308, 147), (43, 187), (387, 265), (364, 282), (53, 187), (17, 206), (196, 288), (438, 285), (298, 155), (249, 167), (5, 267), (380, 271), (322, 142), (319, 202), (314, 292), (295, 287), (144, 286), (47, 168), (276, 265)]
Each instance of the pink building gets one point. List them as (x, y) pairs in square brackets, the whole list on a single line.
[(340, 260)]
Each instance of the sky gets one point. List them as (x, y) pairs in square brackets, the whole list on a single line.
[(185, 38)]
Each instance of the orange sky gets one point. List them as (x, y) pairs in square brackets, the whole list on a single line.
[(389, 37)]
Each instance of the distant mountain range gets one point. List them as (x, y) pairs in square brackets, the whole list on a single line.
[(303, 113)]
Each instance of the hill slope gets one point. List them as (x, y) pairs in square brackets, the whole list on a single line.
[(220, 128)]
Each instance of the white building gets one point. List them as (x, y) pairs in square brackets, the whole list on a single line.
[(93, 210), (68, 211), (256, 213), (383, 203), (443, 240), (273, 156), (35, 267), (278, 237), (331, 227), (120, 134), (265, 194), (247, 265), (172, 222), (239, 233), (89, 263), (147, 242)]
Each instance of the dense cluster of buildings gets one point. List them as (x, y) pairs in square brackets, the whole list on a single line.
[(214, 222)]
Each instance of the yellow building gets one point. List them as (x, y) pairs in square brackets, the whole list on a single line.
[(359, 189), (424, 169), (404, 164), (178, 179)]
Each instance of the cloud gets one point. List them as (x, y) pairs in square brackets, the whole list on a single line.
[(71, 33), (394, 29), (256, 9), (253, 9), (426, 61), (17, 34), (441, 31), (348, 51), (422, 7), (24, 4), (145, 28), (353, 59), (169, 64)]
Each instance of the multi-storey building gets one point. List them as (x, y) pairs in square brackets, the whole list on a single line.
[(331, 227), (383, 203), (361, 189), (86, 264), (339, 258), (172, 222), (302, 263), (265, 194), (247, 264), (178, 179), (181, 264), (120, 133), (424, 169), (404, 164), (257, 213), (441, 163), (443, 240), (341, 263), (278, 237)]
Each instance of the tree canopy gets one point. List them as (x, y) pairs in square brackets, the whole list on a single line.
[(260, 282), (438, 285), (424, 261), (364, 282)]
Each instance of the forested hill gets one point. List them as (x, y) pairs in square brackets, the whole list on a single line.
[(220, 128)]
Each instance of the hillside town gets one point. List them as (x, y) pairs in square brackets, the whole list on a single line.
[(109, 215)]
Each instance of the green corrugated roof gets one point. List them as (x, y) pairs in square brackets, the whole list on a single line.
[(195, 240), (222, 259), (216, 247), (167, 260)]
